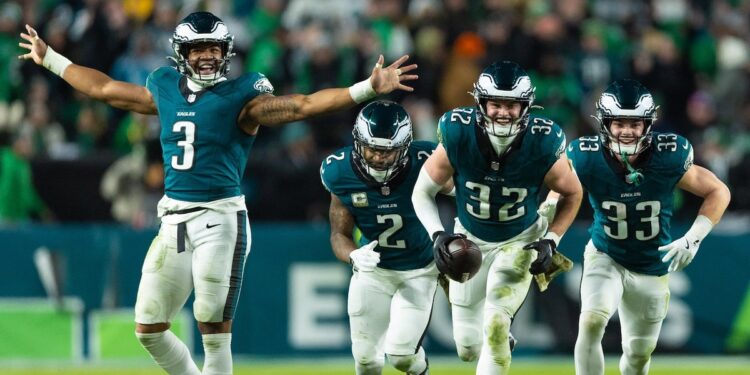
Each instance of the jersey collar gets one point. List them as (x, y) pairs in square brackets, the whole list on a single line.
[(616, 165), (495, 161), (384, 188)]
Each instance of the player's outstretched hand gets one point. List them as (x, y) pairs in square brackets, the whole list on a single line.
[(387, 79), (36, 46), (365, 259)]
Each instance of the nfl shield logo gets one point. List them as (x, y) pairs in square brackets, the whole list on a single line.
[(359, 199)]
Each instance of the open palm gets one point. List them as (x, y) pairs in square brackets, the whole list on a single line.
[(36, 46), (387, 79)]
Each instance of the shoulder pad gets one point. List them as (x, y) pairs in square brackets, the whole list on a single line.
[(421, 150), (330, 168), (674, 150), (262, 84)]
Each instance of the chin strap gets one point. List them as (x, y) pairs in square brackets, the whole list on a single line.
[(634, 176)]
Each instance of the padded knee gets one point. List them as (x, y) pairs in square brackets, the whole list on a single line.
[(592, 324), (205, 312), (468, 337), (468, 353), (638, 351), (402, 362), (365, 355)]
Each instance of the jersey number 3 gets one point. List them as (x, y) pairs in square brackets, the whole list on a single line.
[(188, 152), (617, 213)]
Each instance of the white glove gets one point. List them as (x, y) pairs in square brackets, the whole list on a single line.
[(682, 250), (365, 259)]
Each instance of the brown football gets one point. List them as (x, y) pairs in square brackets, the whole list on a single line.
[(465, 259)]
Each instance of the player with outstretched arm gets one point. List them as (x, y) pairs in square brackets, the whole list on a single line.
[(208, 126)]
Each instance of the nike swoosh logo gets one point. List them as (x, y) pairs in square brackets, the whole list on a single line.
[(559, 133), (686, 145), (687, 244), (209, 226)]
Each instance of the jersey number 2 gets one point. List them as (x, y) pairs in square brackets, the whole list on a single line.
[(507, 212), (396, 223), (188, 152)]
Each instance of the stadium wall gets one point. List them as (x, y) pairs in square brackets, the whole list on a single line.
[(293, 300)]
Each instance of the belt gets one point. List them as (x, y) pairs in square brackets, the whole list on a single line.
[(182, 227)]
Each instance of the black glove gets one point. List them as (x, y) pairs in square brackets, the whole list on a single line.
[(545, 248), (440, 249)]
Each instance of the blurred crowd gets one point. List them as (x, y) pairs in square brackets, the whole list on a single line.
[(693, 55)]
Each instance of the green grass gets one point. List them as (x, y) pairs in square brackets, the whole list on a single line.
[(682, 365)]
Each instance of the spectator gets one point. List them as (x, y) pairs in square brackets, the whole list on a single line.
[(19, 201), (134, 184)]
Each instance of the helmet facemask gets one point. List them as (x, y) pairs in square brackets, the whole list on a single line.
[(197, 29), (504, 81), (623, 100), (385, 133)]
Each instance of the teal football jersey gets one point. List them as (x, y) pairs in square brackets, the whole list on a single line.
[(497, 199), (403, 243), (205, 152), (631, 222)]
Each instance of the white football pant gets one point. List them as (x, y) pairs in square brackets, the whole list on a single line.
[(484, 306), (388, 314), (641, 301), (216, 247)]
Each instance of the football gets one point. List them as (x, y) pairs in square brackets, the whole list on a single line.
[(464, 261)]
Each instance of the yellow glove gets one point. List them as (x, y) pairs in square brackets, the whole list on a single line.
[(560, 264)]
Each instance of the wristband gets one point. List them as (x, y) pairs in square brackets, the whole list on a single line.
[(551, 201), (55, 62), (701, 226), (552, 236), (362, 91)]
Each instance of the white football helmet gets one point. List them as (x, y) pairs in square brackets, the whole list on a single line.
[(202, 27), (625, 99), (385, 126), (504, 80)]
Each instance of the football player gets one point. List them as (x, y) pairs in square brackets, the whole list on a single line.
[(630, 173), (394, 280), (499, 155), (208, 125)]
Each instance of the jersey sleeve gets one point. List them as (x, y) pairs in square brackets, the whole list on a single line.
[(553, 143), (422, 150), (675, 154), (443, 124), (258, 84), (570, 152), (452, 131), (331, 170), (326, 175), (684, 155), (580, 153), (153, 80)]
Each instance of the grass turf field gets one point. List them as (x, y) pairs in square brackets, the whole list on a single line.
[(679, 365)]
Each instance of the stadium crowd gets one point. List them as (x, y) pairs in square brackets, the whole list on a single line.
[(694, 56)]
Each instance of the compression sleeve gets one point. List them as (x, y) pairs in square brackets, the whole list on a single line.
[(425, 207)]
